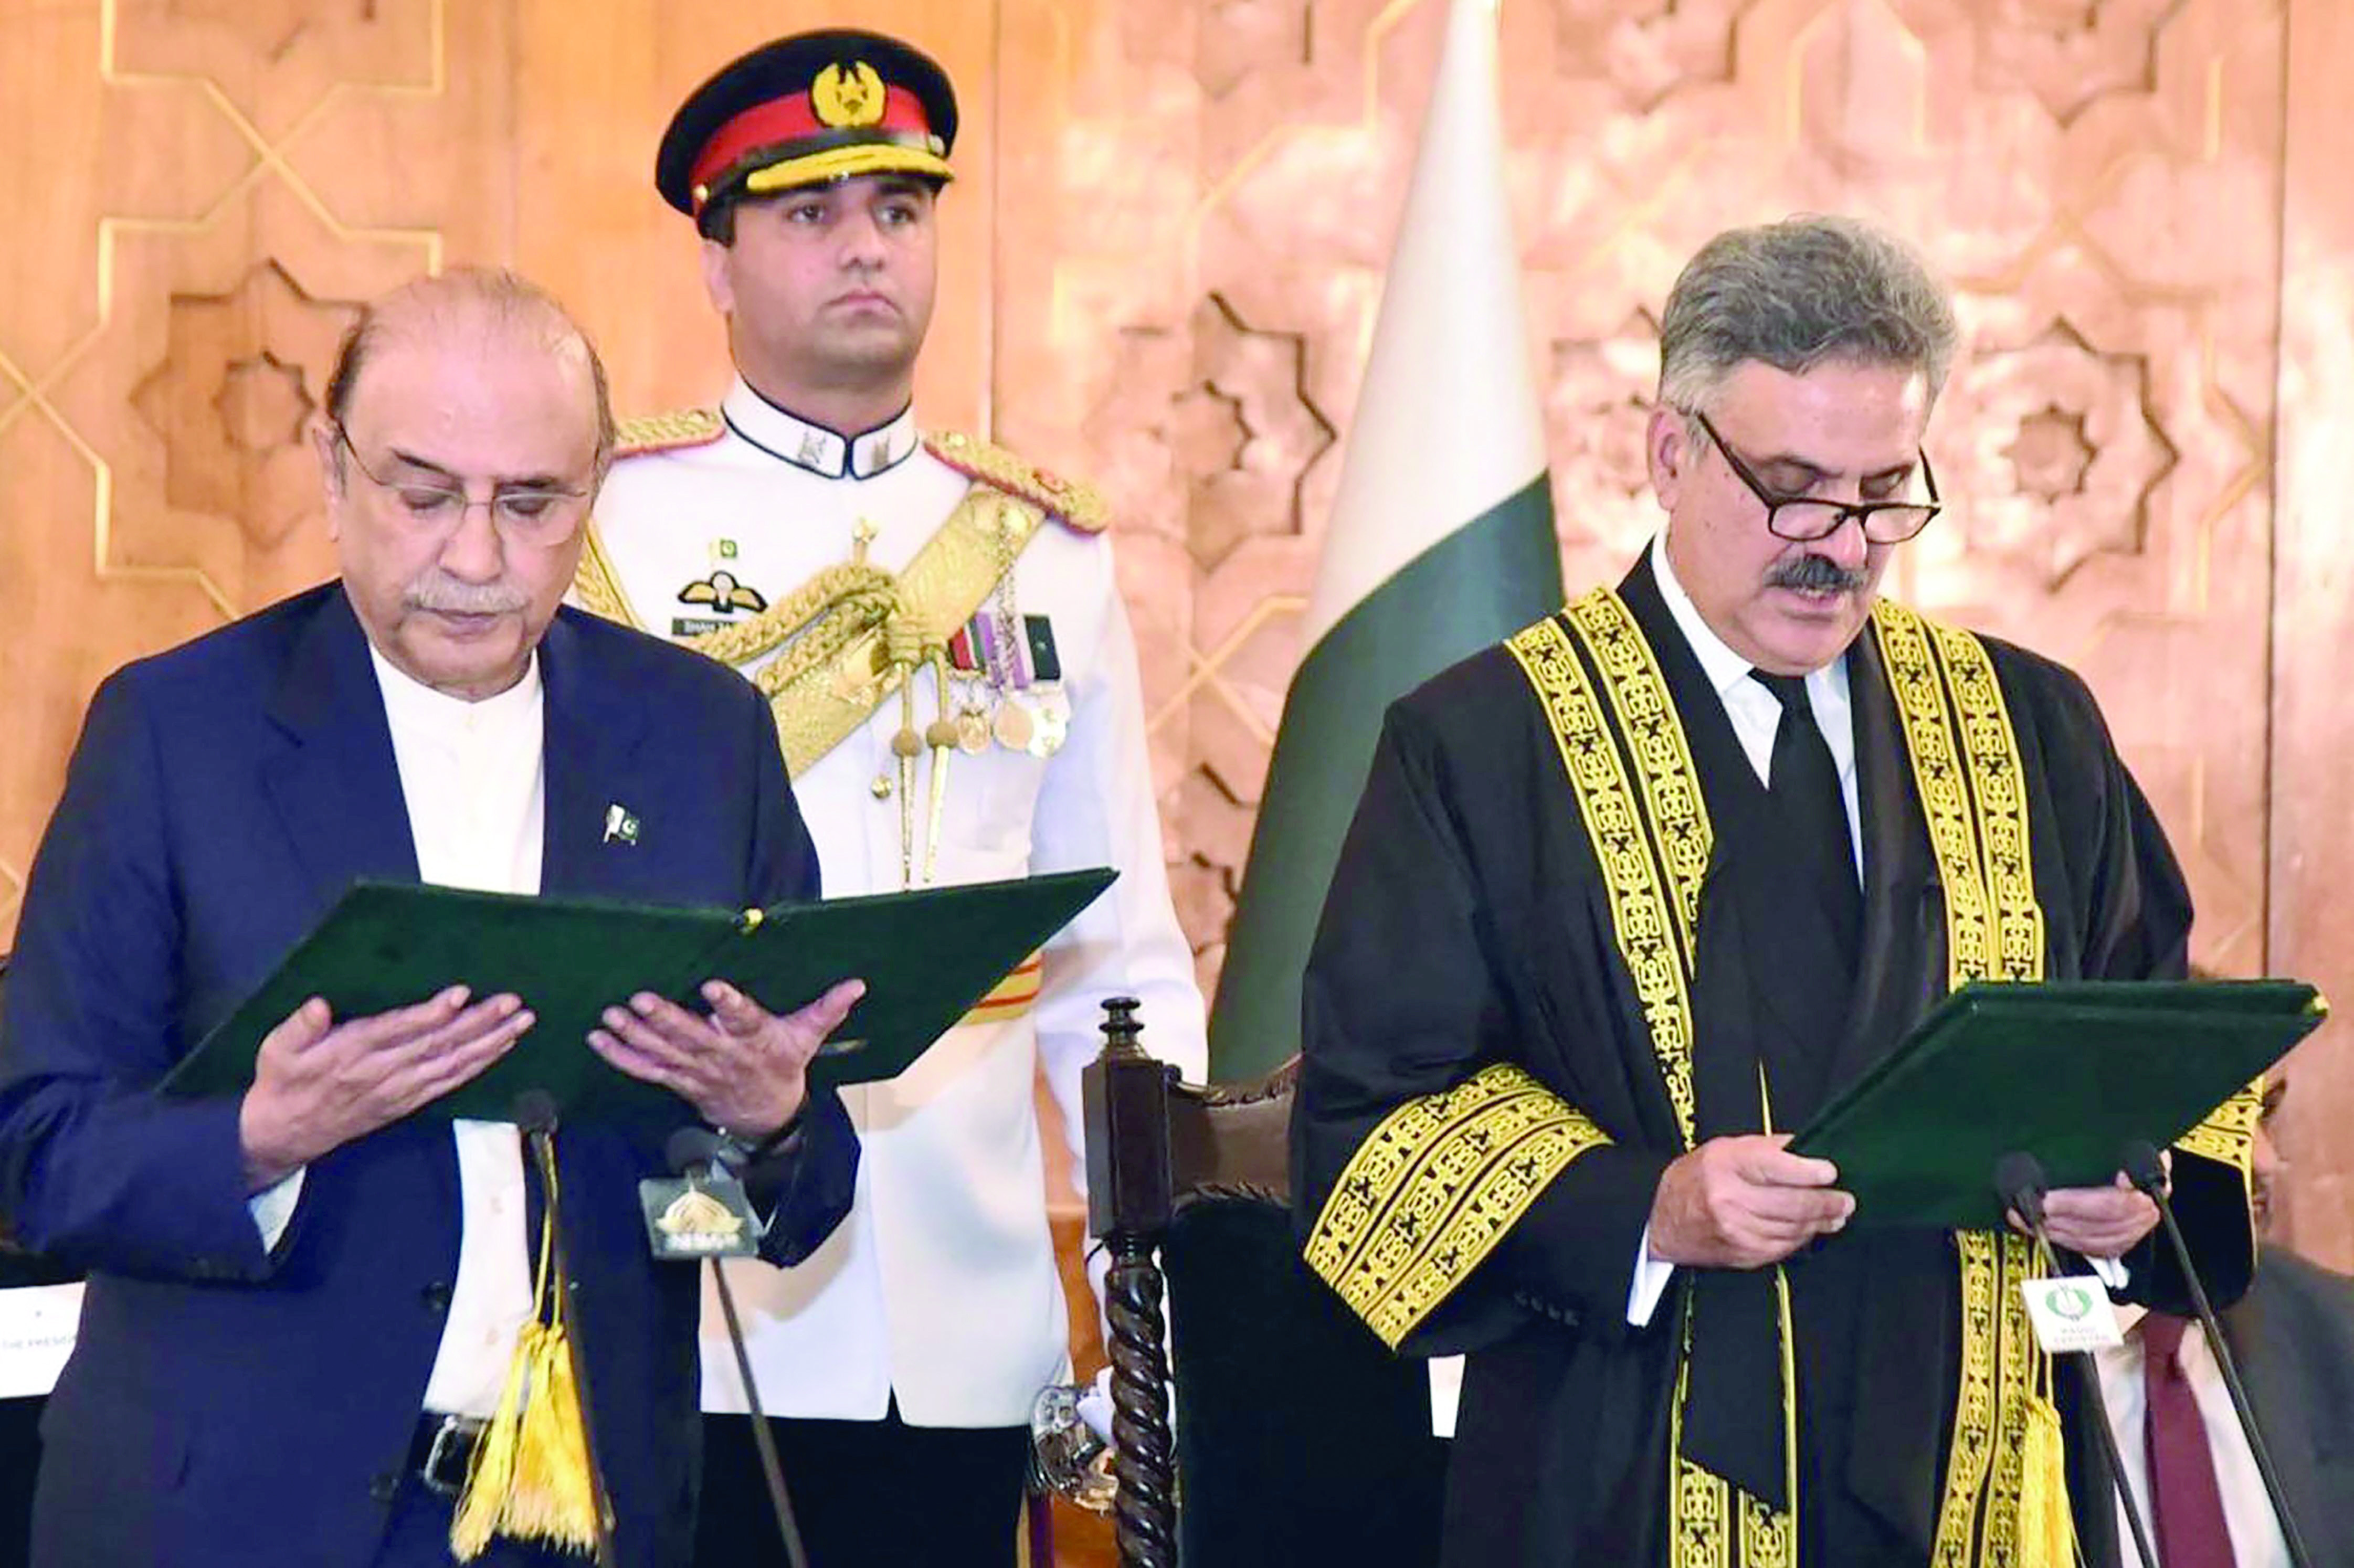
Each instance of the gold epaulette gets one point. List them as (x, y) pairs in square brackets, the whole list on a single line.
[(668, 432), (1074, 505)]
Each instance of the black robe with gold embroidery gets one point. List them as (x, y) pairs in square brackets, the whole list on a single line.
[(1467, 925)]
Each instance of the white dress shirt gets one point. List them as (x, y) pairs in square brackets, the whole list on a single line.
[(1755, 713), (2256, 1534), (472, 776)]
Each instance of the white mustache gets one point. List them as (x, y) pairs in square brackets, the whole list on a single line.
[(448, 596)]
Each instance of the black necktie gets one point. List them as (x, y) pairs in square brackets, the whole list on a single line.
[(1802, 792)]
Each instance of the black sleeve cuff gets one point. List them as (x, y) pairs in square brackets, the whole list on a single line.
[(806, 1181)]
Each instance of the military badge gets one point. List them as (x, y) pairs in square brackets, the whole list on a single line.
[(724, 592), (846, 97), (1014, 727)]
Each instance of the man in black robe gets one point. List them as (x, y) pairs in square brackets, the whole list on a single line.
[(1659, 877)]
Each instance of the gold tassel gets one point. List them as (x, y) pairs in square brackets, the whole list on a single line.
[(530, 1479), (2047, 1533), (2047, 1530), (551, 1500)]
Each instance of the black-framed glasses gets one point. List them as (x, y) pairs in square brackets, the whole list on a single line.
[(1802, 518), (528, 514)]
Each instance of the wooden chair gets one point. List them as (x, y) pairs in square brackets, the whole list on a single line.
[(1300, 1438)]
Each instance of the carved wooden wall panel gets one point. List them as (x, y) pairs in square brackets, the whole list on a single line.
[(197, 191), (1163, 260)]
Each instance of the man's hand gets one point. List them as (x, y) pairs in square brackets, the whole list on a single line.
[(740, 1067), (2096, 1222), (317, 1084), (1744, 1202)]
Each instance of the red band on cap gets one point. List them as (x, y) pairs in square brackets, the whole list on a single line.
[(785, 120)]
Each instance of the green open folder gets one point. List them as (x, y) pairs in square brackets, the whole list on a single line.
[(2066, 1070), (926, 958)]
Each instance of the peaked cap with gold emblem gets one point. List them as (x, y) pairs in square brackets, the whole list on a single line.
[(805, 109)]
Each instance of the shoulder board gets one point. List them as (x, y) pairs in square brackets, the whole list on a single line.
[(1077, 506), (668, 432)]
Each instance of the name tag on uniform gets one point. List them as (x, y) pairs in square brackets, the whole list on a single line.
[(2071, 1313)]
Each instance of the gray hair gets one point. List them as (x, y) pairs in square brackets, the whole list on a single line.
[(510, 299), (1796, 293)]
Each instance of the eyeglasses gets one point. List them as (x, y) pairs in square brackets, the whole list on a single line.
[(1801, 518), (527, 514)]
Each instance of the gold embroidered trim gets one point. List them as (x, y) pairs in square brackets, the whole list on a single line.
[(678, 428), (597, 586), (1967, 767), (2018, 1363), (1677, 814), (1767, 1537), (1998, 785), (1435, 1188), (2228, 1134), (1642, 919), (1913, 680), (1656, 932), (1068, 502)]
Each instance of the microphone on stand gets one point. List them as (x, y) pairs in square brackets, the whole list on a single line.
[(2143, 1168), (699, 1154), (2020, 1182)]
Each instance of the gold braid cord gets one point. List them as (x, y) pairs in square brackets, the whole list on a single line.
[(1966, 765), (851, 634), (1435, 1188)]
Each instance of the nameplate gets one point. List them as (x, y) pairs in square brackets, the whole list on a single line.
[(37, 1334), (2072, 1314)]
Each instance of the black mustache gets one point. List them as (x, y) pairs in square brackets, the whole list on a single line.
[(1816, 573)]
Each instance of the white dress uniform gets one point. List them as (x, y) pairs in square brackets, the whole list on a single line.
[(941, 1285)]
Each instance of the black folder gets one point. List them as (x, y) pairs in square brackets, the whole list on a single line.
[(927, 957), (2066, 1070)]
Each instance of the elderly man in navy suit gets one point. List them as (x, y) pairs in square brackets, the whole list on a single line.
[(303, 1301)]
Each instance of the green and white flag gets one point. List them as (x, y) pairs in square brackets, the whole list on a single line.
[(1441, 539)]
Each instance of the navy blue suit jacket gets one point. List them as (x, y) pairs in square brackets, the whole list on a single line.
[(228, 1404)]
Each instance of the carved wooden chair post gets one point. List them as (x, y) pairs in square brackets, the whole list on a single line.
[(1130, 1200)]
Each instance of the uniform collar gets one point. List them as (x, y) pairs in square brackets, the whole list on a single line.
[(823, 453)]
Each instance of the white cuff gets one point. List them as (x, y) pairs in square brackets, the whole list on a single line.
[(1650, 1283), (273, 1209), (2111, 1271)]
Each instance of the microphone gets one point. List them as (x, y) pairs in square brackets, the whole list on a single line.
[(699, 1154), (534, 1112), (535, 1115), (2020, 1182), (2143, 1168)]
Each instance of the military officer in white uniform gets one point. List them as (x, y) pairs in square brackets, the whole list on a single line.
[(939, 632)]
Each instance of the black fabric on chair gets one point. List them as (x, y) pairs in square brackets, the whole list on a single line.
[(1301, 1439)]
